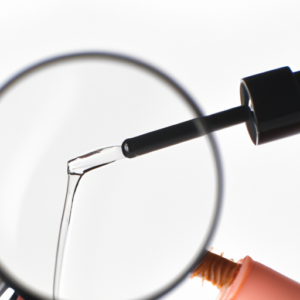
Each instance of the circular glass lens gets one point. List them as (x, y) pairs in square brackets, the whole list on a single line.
[(136, 227)]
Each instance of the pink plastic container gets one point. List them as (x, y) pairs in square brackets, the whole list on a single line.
[(258, 282)]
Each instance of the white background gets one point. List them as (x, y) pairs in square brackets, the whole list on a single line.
[(207, 46)]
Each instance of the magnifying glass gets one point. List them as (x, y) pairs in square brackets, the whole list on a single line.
[(139, 226)]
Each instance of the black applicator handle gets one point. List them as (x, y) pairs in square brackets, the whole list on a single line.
[(185, 131)]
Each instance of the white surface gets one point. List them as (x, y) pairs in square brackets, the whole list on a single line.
[(207, 46)]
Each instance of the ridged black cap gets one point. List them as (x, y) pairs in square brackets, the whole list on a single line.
[(274, 99)]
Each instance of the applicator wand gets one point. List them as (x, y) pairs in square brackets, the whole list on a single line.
[(185, 131), (270, 107)]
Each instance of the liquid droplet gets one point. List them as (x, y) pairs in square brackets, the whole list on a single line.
[(77, 167)]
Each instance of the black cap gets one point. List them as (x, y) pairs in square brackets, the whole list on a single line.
[(274, 99)]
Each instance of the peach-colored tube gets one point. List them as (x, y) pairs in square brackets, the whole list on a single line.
[(258, 282)]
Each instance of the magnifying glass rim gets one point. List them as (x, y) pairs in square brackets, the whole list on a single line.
[(25, 292)]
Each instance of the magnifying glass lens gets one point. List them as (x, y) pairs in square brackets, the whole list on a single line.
[(137, 225)]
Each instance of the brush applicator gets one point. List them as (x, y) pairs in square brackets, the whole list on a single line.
[(246, 280)]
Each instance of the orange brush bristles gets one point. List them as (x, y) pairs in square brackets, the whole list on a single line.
[(217, 269)]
